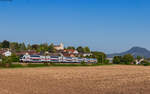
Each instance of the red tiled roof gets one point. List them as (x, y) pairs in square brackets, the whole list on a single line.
[(69, 50), (32, 52), (68, 55)]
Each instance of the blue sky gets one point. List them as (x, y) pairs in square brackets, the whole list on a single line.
[(104, 25)]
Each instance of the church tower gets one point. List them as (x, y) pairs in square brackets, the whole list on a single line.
[(62, 46)]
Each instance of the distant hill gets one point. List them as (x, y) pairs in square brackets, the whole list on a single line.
[(135, 51)]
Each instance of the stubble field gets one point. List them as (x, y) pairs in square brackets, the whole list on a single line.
[(113, 79)]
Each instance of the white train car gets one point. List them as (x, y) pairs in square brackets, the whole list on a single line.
[(90, 60), (94, 60), (25, 58), (67, 60), (31, 58), (55, 59), (75, 60), (79, 59), (35, 58), (47, 59)]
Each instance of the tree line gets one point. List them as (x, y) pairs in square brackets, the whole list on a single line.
[(128, 59), (39, 47)]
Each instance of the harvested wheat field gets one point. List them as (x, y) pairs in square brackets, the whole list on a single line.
[(115, 79)]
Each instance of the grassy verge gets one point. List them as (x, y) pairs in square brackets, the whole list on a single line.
[(17, 66), (34, 65), (31, 65), (37, 65)]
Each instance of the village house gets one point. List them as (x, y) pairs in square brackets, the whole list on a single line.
[(87, 54), (30, 52), (71, 51), (7, 53), (65, 54), (59, 47)]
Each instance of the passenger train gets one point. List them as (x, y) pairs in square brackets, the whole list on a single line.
[(56, 59)]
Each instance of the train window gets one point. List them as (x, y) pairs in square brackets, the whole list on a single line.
[(54, 57), (36, 59), (35, 56)]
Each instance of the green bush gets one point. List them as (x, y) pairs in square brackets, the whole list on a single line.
[(6, 61), (17, 66), (127, 63), (83, 63), (106, 61), (117, 60), (14, 58), (145, 63)]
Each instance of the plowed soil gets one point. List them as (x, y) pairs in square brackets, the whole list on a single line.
[(113, 79)]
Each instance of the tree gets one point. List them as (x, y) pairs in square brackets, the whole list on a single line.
[(117, 59), (14, 46), (101, 57), (145, 63), (35, 46), (43, 47), (128, 59), (14, 58), (5, 44), (51, 48), (0, 45), (6, 61), (80, 49), (106, 61), (22, 46), (71, 47), (29, 47), (87, 49)]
